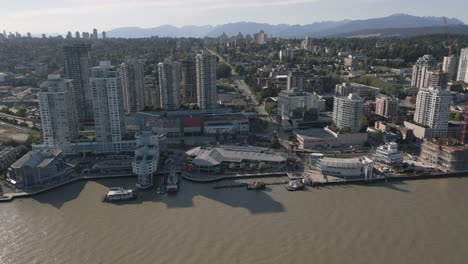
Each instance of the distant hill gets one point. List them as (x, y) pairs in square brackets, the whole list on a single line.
[(318, 29), (404, 32)]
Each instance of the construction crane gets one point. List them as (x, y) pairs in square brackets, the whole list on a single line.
[(451, 43)]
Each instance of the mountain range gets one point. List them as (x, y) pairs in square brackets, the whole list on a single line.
[(396, 25)]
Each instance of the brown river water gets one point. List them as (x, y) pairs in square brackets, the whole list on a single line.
[(398, 222)]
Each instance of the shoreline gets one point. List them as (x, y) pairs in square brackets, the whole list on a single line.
[(462, 174)]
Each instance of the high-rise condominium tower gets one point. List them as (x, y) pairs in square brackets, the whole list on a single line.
[(421, 67), (188, 80), (450, 66), (433, 109), (77, 64), (169, 73), (463, 66), (132, 76), (347, 112), (59, 122), (207, 95), (107, 104)]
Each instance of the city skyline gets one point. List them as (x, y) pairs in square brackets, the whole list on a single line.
[(84, 15)]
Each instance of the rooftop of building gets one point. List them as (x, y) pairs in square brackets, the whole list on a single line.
[(38, 158), (215, 156)]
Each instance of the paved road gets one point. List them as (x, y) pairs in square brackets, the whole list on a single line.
[(245, 90)]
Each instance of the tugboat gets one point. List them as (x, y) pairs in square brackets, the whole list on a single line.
[(172, 179), (119, 194), (172, 184), (256, 186), (295, 185)]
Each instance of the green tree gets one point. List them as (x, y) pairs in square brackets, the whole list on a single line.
[(275, 144), (269, 108), (364, 123), (243, 166), (234, 134), (232, 166), (218, 135), (225, 135), (223, 71), (253, 166), (21, 112), (261, 165), (458, 116)]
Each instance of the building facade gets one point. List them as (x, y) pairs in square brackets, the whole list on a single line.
[(58, 117), (448, 154), (152, 92), (433, 110), (145, 161), (386, 106), (295, 81), (131, 75), (107, 104), (188, 81), (347, 112), (450, 66), (293, 104), (421, 67), (462, 74), (37, 168), (169, 84), (207, 94), (77, 59)]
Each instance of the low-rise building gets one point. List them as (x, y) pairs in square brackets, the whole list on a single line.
[(216, 159), (37, 168), (8, 155), (325, 138), (448, 154), (388, 154), (347, 168)]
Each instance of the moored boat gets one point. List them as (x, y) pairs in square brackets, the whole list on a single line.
[(295, 185), (256, 186), (119, 194)]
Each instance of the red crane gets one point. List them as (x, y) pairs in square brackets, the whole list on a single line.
[(451, 43)]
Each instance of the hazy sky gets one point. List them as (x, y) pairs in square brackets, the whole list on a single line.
[(49, 16)]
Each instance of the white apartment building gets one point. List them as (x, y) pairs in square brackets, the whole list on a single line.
[(108, 108), (207, 93), (347, 112), (169, 83), (433, 109), (286, 54), (290, 102), (59, 121), (462, 74)]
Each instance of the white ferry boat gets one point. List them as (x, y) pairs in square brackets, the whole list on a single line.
[(119, 194)]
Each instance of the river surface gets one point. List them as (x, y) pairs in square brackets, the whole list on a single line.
[(399, 222)]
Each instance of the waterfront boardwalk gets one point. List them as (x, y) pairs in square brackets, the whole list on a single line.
[(8, 196), (199, 177)]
